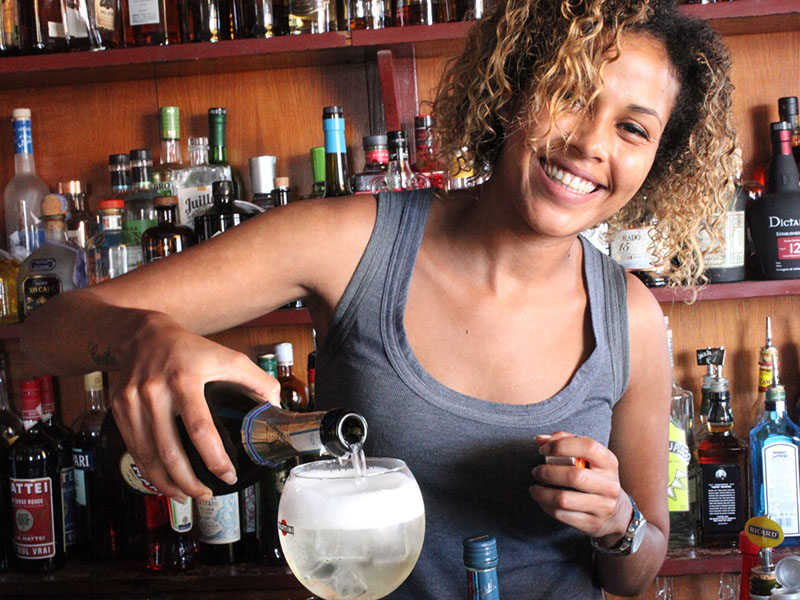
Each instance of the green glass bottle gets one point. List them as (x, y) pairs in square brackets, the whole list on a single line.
[(218, 150)]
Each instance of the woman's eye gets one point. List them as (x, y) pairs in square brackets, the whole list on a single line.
[(635, 129)]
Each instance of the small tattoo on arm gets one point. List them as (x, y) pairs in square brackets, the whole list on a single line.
[(105, 359)]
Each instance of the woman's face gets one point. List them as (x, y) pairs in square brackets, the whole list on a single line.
[(609, 153)]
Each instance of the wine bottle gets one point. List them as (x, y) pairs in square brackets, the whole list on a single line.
[(256, 435), (337, 180)]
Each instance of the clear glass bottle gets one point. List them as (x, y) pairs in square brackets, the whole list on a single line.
[(369, 14), (76, 23), (80, 224), (105, 24), (224, 214), (167, 237), (107, 254), (294, 393), (170, 160), (195, 182), (310, 16), (337, 180), (376, 160), (681, 444), (218, 148), (151, 22), (425, 160), (774, 464), (57, 266), (399, 175), (24, 192), (140, 214), (43, 28)]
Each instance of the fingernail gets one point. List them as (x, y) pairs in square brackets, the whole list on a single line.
[(229, 478), (544, 449), (204, 498), (180, 499)]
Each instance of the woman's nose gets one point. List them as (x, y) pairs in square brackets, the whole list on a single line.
[(591, 138)]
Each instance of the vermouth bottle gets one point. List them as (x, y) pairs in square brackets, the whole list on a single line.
[(256, 435)]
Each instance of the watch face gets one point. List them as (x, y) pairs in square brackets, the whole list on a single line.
[(638, 536)]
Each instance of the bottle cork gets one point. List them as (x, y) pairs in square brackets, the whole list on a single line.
[(52, 205), (282, 182)]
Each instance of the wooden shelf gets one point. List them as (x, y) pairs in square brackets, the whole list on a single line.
[(445, 39), (694, 561), (727, 291)]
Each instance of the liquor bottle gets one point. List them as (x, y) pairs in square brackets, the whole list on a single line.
[(170, 541), (76, 23), (399, 175), (57, 266), (369, 14), (310, 16), (709, 358), (787, 110), (107, 253), (638, 252), (35, 494), (150, 22), (220, 216), (723, 473), (262, 19), (317, 155), (10, 423), (767, 356), (772, 221), (218, 155), (140, 214), (167, 237), (80, 225), (480, 561), (6, 532), (43, 29), (775, 459), (52, 425), (9, 270), (226, 528), (170, 160), (10, 26), (105, 24), (294, 393), (92, 485), (281, 193), (119, 167), (425, 160), (679, 497), (376, 159), (262, 180), (337, 181), (24, 192), (202, 21), (255, 434), (419, 12), (195, 182)]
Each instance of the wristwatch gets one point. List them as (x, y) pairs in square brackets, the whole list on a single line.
[(633, 537)]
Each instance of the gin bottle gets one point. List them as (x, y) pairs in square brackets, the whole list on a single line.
[(775, 458), (58, 266), (139, 213), (195, 182), (24, 192), (170, 160)]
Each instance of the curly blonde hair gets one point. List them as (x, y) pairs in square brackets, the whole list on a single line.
[(532, 55)]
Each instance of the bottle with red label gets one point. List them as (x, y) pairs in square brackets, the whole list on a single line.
[(170, 541), (35, 483)]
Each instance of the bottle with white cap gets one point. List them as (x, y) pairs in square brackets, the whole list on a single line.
[(294, 393), (24, 192)]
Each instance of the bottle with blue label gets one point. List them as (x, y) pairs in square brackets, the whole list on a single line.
[(24, 192), (775, 449), (480, 561), (337, 179)]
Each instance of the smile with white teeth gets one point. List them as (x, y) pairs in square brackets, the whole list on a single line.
[(568, 180)]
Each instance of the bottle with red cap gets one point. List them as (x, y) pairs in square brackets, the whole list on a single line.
[(107, 254), (34, 478)]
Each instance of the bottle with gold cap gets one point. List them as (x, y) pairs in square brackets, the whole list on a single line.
[(57, 266), (80, 225)]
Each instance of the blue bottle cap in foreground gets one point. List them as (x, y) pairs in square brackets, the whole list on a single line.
[(480, 552)]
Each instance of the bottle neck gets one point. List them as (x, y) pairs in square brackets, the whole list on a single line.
[(198, 155), (5, 404), (286, 370), (24, 164), (774, 410), (218, 155), (783, 173), (171, 152), (75, 201), (720, 416), (111, 220), (55, 228), (167, 214), (216, 140), (94, 401)]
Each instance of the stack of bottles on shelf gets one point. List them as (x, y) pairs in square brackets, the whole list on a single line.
[(156, 210), (760, 226), (716, 480), (75, 493), (45, 26)]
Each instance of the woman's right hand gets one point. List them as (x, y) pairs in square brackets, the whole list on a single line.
[(164, 376)]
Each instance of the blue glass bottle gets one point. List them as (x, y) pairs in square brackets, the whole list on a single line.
[(775, 445), (480, 560)]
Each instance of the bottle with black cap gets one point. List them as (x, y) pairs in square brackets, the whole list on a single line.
[(480, 561), (222, 215), (773, 221), (376, 159), (788, 110), (337, 180)]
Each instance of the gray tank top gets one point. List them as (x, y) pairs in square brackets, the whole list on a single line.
[(471, 457)]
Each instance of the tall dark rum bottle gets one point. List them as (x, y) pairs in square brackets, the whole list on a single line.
[(774, 220)]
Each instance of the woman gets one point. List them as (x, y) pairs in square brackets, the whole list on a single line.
[(476, 331)]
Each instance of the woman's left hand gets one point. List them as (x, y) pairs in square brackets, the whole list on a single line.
[(588, 499)]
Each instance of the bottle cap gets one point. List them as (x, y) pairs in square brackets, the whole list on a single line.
[(53, 205), (71, 187), (218, 112), (170, 119), (423, 121), (480, 552), (370, 141), (719, 385), (93, 381), (118, 159), (332, 111), (318, 163), (21, 113), (281, 182), (787, 105), (111, 204), (30, 400), (197, 141), (262, 173), (787, 572), (284, 354), (268, 363), (222, 189), (165, 201), (141, 154)]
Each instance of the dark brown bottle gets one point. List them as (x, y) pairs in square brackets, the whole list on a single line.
[(167, 237), (224, 214), (42, 27), (294, 393), (36, 508), (150, 22)]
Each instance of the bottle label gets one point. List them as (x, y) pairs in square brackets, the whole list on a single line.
[(630, 248), (764, 377), (82, 461), (191, 202), (77, 18), (722, 498), (34, 524), (781, 485), (788, 248), (679, 456), (69, 508), (55, 29), (38, 289), (730, 251), (180, 515), (302, 440), (250, 509), (10, 16), (143, 12), (218, 519), (133, 477), (105, 13), (132, 230), (23, 136), (379, 156)]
